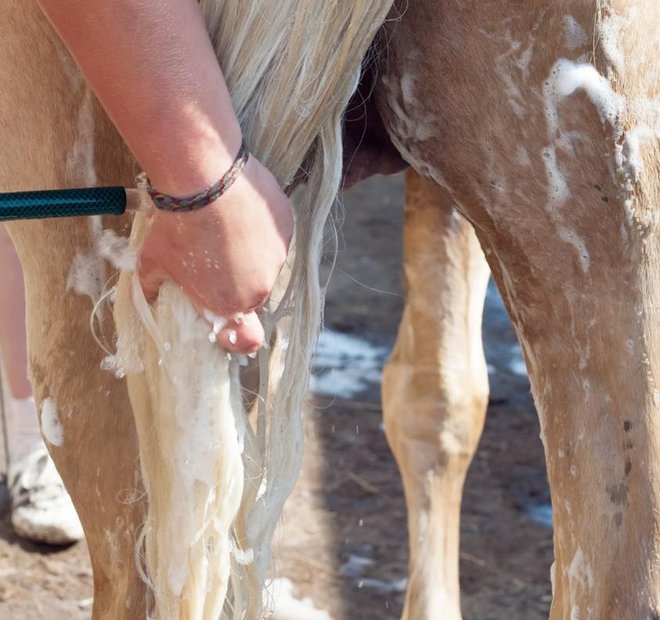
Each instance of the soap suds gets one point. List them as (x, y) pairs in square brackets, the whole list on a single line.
[(287, 607), (51, 427)]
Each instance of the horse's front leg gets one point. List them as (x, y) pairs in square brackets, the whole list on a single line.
[(435, 391), (541, 121)]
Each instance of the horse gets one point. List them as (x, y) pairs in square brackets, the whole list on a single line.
[(533, 134)]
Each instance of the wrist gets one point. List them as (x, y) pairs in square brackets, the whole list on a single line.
[(201, 158), (209, 194)]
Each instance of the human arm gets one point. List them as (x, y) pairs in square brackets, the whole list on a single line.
[(152, 66)]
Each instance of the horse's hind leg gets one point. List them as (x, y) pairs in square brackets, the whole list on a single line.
[(435, 391), (547, 138), (54, 135), (85, 415)]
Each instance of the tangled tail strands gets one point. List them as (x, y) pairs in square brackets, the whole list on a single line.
[(216, 483)]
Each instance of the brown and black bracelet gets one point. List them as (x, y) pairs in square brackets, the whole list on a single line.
[(206, 196)]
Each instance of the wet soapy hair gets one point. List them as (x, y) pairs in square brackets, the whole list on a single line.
[(216, 483)]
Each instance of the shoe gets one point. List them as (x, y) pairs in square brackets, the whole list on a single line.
[(41, 509)]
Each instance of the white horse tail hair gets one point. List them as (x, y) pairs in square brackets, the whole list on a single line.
[(216, 484)]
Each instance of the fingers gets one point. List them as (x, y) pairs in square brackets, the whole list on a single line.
[(242, 337)]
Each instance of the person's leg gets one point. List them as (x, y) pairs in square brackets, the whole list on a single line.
[(17, 390), (41, 508)]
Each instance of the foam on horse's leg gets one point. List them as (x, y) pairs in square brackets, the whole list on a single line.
[(298, 66)]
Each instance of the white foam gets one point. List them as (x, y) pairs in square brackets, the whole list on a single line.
[(609, 31), (116, 250), (114, 364), (80, 160), (87, 274), (572, 238), (522, 157), (522, 62), (217, 322), (579, 570), (558, 191), (287, 607), (574, 33), (515, 98), (51, 427), (632, 147), (568, 76)]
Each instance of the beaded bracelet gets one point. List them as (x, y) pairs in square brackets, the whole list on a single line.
[(206, 196)]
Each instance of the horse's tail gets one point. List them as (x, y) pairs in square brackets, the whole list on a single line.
[(216, 484)]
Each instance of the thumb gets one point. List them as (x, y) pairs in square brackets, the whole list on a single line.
[(244, 336), (151, 276)]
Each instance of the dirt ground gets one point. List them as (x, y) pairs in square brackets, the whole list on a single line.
[(349, 501)]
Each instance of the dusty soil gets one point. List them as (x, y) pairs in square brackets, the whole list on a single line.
[(349, 500)]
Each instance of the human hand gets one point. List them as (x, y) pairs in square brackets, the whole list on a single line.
[(225, 256)]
